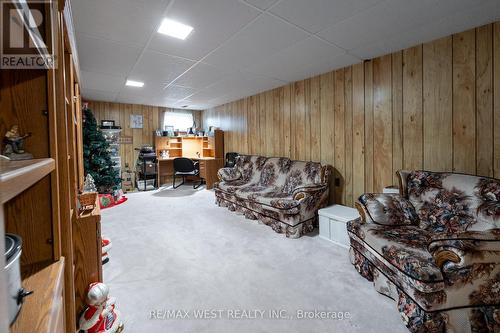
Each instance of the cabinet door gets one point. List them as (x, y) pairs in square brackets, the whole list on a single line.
[(87, 254)]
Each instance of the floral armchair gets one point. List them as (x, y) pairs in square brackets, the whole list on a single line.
[(435, 249), (277, 191)]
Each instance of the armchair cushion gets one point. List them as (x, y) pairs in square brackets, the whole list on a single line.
[(451, 202), (387, 209), (403, 250)]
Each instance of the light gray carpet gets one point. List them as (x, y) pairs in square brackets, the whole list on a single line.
[(176, 250)]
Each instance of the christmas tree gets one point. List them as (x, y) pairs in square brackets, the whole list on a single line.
[(96, 157)]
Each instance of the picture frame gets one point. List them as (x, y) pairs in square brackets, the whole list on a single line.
[(136, 121), (168, 130)]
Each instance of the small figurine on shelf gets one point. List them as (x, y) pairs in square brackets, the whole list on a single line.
[(14, 145), (100, 315), (106, 246), (88, 198), (89, 185)]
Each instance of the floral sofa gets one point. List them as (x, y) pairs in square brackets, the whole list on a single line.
[(277, 191), (435, 249)]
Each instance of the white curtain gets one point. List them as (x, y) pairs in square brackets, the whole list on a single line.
[(179, 119)]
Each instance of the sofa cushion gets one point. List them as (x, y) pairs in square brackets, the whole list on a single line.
[(451, 203), (250, 167), (388, 209), (404, 250), (230, 187), (288, 175), (272, 197)]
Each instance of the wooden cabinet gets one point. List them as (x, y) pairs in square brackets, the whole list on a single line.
[(87, 254), (43, 311), (208, 170), (39, 196), (19, 180)]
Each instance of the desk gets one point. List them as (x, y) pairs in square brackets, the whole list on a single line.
[(208, 169)]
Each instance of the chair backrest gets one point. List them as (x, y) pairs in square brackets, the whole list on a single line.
[(453, 202), (230, 159), (183, 164)]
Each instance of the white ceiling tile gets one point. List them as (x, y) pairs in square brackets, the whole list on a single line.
[(201, 76), (261, 4), (458, 22), (213, 21), (251, 53), (98, 95), (99, 81), (102, 56), (177, 92), (264, 37), (380, 21), (127, 21), (164, 102), (159, 69), (133, 99), (370, 50), (304, 59), (316, 15), (236, 85), (460, 16)]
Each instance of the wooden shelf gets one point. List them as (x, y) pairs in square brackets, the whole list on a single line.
[(40, 310), (17, 176)]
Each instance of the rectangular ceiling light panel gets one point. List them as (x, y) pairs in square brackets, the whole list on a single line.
[(132, 83), (174, 29)]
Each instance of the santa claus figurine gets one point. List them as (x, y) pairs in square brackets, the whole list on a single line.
[(106, 246), (100, 315)]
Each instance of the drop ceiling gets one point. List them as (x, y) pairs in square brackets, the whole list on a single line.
[(241, 47)]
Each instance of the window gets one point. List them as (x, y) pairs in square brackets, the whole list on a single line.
[(180, 120)]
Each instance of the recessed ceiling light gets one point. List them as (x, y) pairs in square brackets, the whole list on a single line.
[(174, 29), (132, 83)]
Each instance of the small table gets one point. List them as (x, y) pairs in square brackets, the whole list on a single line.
[(332, 223)]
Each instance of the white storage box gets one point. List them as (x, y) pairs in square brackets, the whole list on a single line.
[(332, 223)]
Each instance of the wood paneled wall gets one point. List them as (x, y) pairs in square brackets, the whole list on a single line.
[(120, 113), (434, 106)]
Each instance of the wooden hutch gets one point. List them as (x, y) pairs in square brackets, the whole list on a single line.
[(39, 196), (208, 150)]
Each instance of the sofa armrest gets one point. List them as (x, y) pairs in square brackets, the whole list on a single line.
[(386, 209), (228, 174), (302, 192), (460, 250)]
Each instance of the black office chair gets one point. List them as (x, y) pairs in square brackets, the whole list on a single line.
[(186, 167), (230, 159)]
